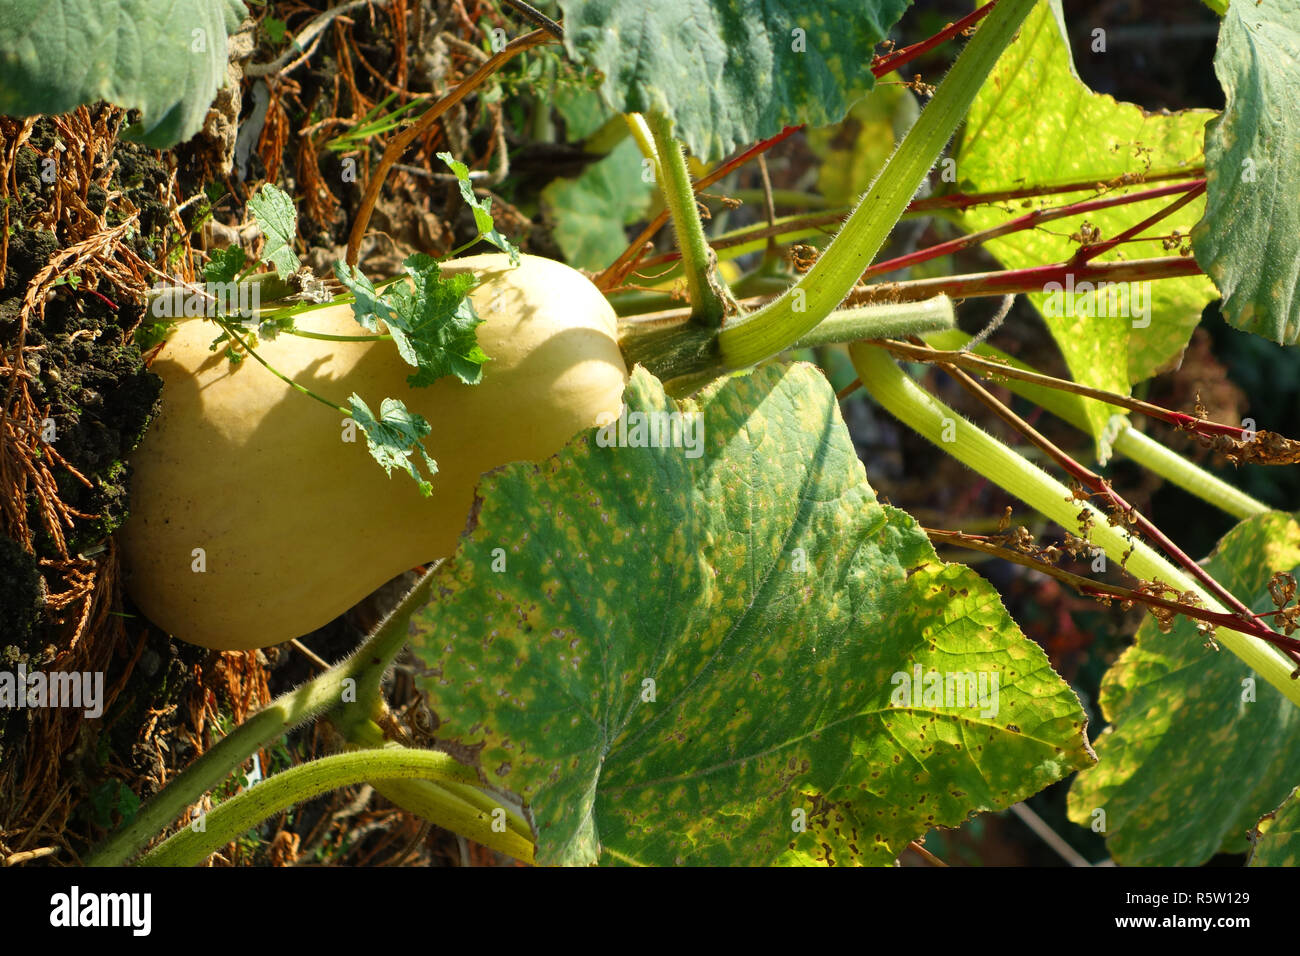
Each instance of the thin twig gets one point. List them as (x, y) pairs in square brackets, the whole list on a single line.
[(306, 36), (989, 368), (404, 139), (1130, 515)]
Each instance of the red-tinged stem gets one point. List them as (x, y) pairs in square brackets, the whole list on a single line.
[(965, 200), (1027, 221), (1089, 252), (1131, 516), (617, 271), (103, 298), (1011, 281), (988, 368), (1109, 591), (889, 62)]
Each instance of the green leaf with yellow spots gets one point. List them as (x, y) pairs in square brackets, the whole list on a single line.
[(1277, 838), (1249, 241), (704, 652), (730, 71), (1200, 748), (1035, 123)]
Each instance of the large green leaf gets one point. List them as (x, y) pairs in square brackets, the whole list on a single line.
[(730, 71), (1200, 747), (166, 59), (1036, 123), (591, 210), (1249, 241), (1277, 838), (629, 638)]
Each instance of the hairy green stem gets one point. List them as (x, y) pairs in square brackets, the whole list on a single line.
[(325, 337), (978, 450), (1130, 442), (230, 330), (350, 682), (452, 804), (673, 347), (189, 847), (772, 328), (881, 322), (708, 307)]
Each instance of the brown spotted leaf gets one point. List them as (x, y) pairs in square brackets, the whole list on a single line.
[(697, 654), (1200, 747), (1277, 837)]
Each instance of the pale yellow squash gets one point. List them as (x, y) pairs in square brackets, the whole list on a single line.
[(254, 483)]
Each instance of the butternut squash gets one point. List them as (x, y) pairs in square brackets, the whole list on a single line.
[(253, 520)]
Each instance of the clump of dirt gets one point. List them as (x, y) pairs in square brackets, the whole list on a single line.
[(84, 215), (84, 375)]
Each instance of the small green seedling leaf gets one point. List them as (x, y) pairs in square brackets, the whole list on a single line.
[(371, 306), (393, 436), (225, 265), (482, 209), (274, 212), (431, 319), (435, 322)]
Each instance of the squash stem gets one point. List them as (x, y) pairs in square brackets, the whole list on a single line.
[(237, 815), (773, 328), (336, 691), (674, 347), (708, 298)]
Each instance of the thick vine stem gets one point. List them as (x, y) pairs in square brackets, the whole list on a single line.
[(353, 682), (676, 349), (881, 322), (453, 804), (774, 327), (978, 450), (700, 264), (240, 813)]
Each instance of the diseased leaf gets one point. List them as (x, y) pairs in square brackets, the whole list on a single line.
[(1277, 837), (686, 654), (481, 208), (1200, 747), (278, 220), (1249, 240), (727, 72), (591, 211), (393, 436), (1036, 123), (165, 59)]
